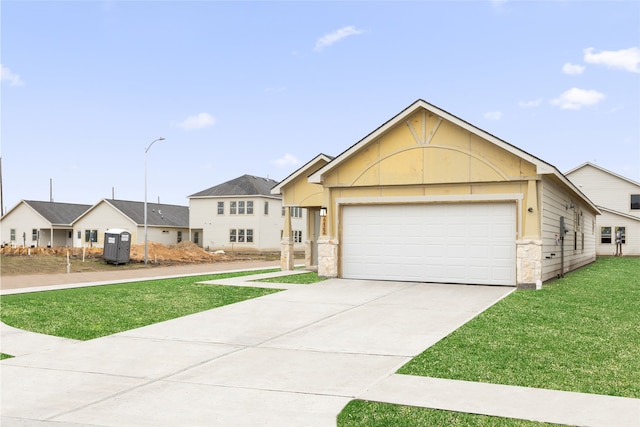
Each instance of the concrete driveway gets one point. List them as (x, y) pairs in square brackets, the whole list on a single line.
[(294, 358)]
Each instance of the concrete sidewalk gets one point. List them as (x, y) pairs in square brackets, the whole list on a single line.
[(293, 358)]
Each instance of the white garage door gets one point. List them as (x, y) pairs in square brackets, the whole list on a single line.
[(450, 243)]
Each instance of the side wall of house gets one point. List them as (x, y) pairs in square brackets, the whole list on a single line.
[(606, 243), (102, 218), (267, 227), (23, 220), (561, 254)]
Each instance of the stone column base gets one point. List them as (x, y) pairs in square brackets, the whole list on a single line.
[(328, 258), (529, 264), (287, 255)]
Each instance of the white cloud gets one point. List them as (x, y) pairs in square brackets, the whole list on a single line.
[(287, 160), (624, 59), (530, 104), (493, 115), (572, 69), (336, 36), (6, 75), (198, 121), (575, 99)]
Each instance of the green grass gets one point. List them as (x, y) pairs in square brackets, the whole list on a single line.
[(299, 279), (579, 333), (372, 414), (92, 312)]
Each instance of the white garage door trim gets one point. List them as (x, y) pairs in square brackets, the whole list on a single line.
[(470, 243)]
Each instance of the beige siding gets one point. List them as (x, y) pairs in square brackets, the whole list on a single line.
[(605, 189), (557, 203), (103, 217), (611, 192), (23, 219)]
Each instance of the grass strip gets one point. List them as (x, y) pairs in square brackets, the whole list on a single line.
[(579, 333), (92, 312), (296, 279), (373, 414)]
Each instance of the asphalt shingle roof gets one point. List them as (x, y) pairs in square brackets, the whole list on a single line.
[(246, 185), (58, 213), (158, 214)]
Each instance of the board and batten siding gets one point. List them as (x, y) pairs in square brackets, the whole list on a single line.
[(581, 228)]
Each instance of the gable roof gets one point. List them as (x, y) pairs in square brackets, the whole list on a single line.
[(57, 213), (245, 185), (158, 214), (542, 167), (310, 167), (600, 168)]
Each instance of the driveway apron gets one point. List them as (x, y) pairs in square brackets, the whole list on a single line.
[(293, 358)]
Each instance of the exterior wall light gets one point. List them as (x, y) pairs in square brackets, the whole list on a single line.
[(323, 211)]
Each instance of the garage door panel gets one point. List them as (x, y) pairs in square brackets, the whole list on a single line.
[(456, 243)]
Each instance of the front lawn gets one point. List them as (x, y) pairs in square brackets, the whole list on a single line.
[(579, 333), (373, 414), (298, 279), (92, 312)]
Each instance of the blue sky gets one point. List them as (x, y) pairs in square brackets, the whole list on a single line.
[(262, 87)]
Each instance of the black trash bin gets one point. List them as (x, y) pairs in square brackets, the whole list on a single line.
[(117, 246)]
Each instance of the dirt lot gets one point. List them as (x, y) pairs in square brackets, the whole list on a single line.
[(20, 261)]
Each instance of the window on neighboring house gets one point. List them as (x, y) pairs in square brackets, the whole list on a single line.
[(241, 207), (179, 236), (232, 208), (297, 236), (266, 208), (34, 234), (241, 235), (90, 235), (605, 234), (220, 208), (70, 235), (283, 210), (623, 233), (635, 202), (13, 235), (79, 234), (296, 212), (196, 237), (249, 207)]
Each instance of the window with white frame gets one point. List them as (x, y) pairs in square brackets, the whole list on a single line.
[(622, 231), (241, 235), (635, 202), (13, 235), (266, 208), (297, 236), (220, 208), (241, 207), (179, 236), (605, 234), (34, 234), (296, 212)]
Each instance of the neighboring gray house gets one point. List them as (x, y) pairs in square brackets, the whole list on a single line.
[(166, 224), (242, 215), (33, 223), (618, 198)]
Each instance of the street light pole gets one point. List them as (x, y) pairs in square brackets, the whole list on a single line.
[(146, 245)]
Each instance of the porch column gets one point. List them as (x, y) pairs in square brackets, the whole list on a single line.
[(286, 244)]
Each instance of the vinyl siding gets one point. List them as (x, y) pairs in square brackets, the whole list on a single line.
[(554, 205)]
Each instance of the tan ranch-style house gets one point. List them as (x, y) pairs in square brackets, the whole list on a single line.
[(428, 197)]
